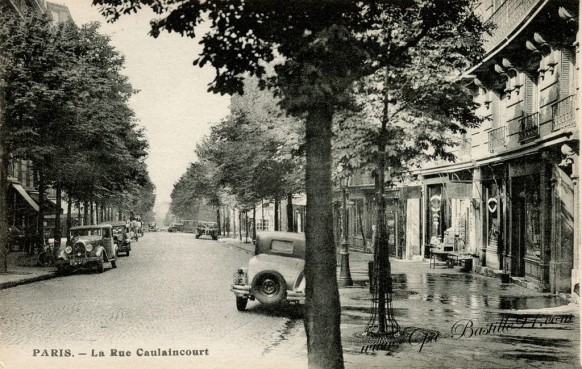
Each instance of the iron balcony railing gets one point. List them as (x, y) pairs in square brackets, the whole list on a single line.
[(529, 127), (563, 113), (497, 139), (505, 19)]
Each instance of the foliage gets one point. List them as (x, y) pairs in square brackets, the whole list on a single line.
[(320, 50), (67, 110)]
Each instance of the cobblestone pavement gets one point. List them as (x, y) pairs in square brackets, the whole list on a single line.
[(179, 298), (173, 292)]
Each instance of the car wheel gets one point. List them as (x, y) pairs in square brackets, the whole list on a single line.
[(127, 253), (197, 236), (114, 263), (62, 270), (215, 237), (241, 303), (101, 264), (270, 288)]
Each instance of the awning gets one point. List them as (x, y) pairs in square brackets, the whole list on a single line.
[(48, 205), (25, 196)]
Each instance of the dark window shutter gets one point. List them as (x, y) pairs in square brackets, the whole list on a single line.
[(565, 73)]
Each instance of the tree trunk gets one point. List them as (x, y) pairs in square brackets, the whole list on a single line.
[(69, 217), (246, 226), (92, 214), (218, 219), (386, 323), (40, 220), (322, 305), (290, 212), (85, 212), (3, 183), (254, 223), (240, 225), (58, 230), (233, 223), (277, 220)]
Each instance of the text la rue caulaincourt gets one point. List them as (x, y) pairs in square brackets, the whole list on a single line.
[(120, 353)]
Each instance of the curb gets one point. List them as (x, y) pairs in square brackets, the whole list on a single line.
[(5, 285), (235, 244)]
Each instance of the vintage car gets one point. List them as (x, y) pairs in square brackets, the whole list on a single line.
[(91, 246), (176, 227), (121, 237), (207, 229), (152, 227), (275, 273)]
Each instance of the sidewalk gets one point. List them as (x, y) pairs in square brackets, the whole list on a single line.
[(448, 318), (22, 269)]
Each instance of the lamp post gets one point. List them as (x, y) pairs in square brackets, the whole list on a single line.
[(345, 277)]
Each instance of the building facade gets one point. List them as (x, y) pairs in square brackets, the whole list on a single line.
[(511, 198)]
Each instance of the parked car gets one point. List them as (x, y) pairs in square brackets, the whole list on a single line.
[(91, 246), (207, 229), (121, 237), (275, 273), (176, 227), (189, 226), (152, 227)]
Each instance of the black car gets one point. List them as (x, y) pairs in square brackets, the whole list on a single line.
[(121, 237), (207, 229)]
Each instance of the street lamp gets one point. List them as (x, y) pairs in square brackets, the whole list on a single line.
[(345, 277)]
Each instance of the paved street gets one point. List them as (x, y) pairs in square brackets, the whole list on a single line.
[(171, 293)]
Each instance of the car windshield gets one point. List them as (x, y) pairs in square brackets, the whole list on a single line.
[(118, 230), (86, 232)]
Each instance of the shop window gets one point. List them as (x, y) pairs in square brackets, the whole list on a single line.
[(532, 218), (435, 217)]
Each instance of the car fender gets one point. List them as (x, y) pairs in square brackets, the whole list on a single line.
[(100, 250)]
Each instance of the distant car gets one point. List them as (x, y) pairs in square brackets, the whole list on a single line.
[(152, 227), (176, 227), (189, 226), (275, 274), (207, 229), (90, 247), (121, 237)]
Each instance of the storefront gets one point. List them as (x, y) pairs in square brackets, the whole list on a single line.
[(447, 211)]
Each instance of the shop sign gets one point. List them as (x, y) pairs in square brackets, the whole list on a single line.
[(435, 203), (492, 205)]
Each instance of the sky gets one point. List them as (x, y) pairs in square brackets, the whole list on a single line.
[(172, 105)]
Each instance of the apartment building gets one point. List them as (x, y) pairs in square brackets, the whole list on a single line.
[(511, 198)]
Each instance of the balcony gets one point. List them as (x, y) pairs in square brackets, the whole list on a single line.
[(529, 127), (497, 139), (563, 113), (511, 14)]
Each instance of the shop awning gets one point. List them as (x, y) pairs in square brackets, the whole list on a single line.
[(48, 205), (25, 196)]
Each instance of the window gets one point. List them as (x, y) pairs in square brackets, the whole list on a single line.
[(282, 247), (262, 224)]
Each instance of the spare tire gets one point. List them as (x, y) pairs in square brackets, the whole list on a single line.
[(269, 288)]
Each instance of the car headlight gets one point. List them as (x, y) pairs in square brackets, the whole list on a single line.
[(89, 247), (240, 277), (68, 249)]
